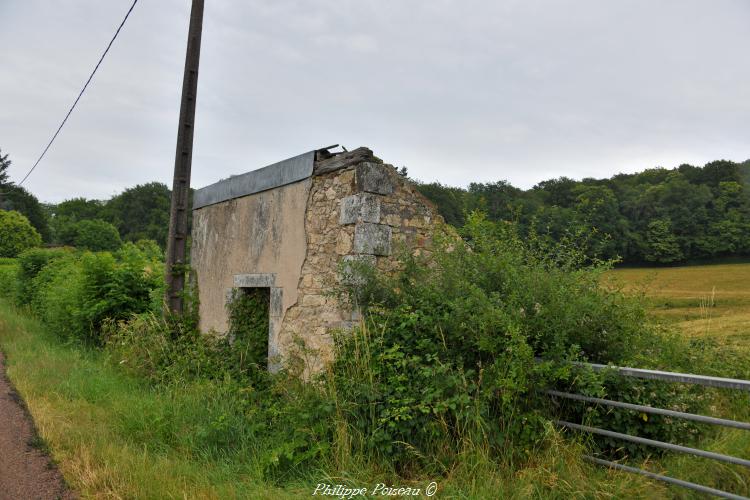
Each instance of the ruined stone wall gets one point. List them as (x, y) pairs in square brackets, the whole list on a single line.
[(363, 211)]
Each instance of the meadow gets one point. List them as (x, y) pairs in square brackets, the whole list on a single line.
[(707, 301)]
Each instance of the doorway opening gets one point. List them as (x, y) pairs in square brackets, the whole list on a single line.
[(249, 323)]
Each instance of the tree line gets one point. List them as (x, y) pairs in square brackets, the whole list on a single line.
[(138, 213), (659, 216)]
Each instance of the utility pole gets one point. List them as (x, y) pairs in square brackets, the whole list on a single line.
[(178, 214)]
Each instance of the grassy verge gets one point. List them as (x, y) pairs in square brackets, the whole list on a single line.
[(113, 435)]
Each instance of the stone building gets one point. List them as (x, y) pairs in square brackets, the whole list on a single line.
[(288, 228)]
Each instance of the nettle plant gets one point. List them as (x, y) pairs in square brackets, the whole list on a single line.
[(447, 354)]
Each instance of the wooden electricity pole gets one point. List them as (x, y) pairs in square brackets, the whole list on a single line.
[(178, 215)]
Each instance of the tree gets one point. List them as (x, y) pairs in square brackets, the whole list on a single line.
[(4, 166), (597, 207), (66, 214), (662, 246), (18, 199), (96, 235), (558, 191), (80, 209), (499, 199), (16, 234), (141, 213), (450, 201)]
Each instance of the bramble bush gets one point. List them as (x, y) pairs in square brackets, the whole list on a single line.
[(447, 355)]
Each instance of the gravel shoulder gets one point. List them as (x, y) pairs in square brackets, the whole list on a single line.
[(26, 472)]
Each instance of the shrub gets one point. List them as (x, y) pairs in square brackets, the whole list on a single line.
[(76, 294), (16, 234), (30, 263), (446, 355), (8, 272), (248, 325)]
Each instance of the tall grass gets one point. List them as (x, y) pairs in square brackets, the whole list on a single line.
[(117, 436)]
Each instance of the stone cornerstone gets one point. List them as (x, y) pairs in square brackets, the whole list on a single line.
[(290, 227)]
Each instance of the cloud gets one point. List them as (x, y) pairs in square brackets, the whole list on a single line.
[(458, 91)]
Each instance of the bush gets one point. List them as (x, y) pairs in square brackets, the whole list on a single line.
[(8, 272), (294, 420), (30, 264), (446, 356), (76, 293), (16, 234)]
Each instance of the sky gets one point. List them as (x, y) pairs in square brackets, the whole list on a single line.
[(458, 91)]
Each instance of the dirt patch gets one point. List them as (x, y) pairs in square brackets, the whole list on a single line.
[(26, 472)]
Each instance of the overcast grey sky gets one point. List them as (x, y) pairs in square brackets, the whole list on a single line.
[(457, 91)]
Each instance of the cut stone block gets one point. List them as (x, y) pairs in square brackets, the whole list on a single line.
[(361, 207), (373, 178), (373, 239)]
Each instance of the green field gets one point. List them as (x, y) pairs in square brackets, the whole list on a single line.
[(709, 301)]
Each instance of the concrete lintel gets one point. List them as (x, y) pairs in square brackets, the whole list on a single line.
[(279, 174), (255, 280)]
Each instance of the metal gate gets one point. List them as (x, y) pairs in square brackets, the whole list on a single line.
[(685, 378)]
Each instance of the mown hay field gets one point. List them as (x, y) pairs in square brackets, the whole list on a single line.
[(709, 301)]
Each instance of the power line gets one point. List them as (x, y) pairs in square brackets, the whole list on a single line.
[(62, 124)]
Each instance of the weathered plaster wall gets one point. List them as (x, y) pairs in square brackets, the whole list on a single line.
[(263, 233)]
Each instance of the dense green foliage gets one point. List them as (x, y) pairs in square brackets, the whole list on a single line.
[(8, 281), (4, 166), (248, 324), (19, 199), (141, 212), (16, 234), (657, 216), (16, 198), (75, 293), (448, 352), (138, 213), (95, 235)]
